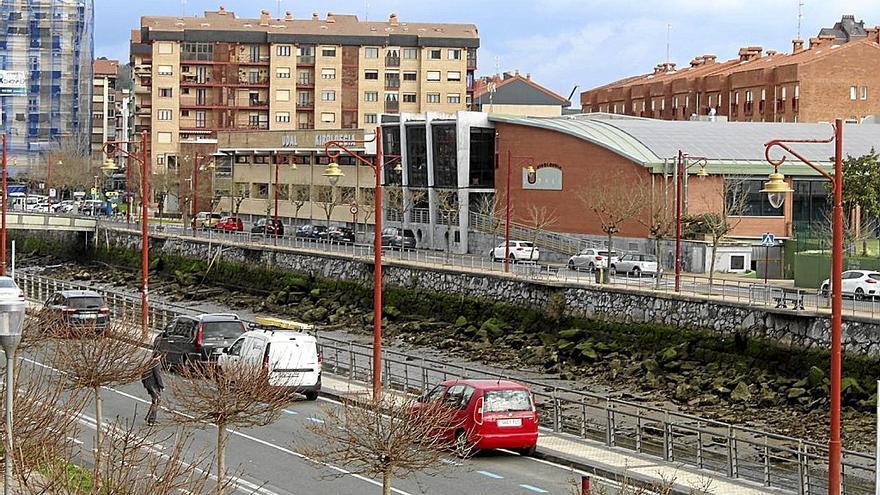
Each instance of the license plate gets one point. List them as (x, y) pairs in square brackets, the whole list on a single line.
[(88, 316), (510, 422), (287, 374)]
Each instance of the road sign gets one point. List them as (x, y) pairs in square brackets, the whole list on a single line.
[(52, 192), (768, 239), (353, 209)]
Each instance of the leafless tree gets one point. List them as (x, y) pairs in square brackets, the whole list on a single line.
[(77, 169), (447, 204), (236, 395), (367, 205), (614, 202), (540, 219), (299, 194), (491, 207), (388, 438), (718, 224), (626, 486), (403, 200), (328, 198), (660, 220)]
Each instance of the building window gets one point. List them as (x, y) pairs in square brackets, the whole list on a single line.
[(163, 137), (282, 95), (371, 52), (454, 98), (433, 75), (201, 119), (329, 95), (371, 75), (410, 76), (165, 92), (167, 70), (445, 155), (328, 73), (282, 117), (328, 51), (305, 99), (282, 72), (409, 98), (370, 118), (453, 76), (328, 117), (756, 203), (435, 54), (184, 113), (864, 92), (454, 54), (166, 48), (282, 50), (410, 53), (371, 96), (852, 93), (433, 97), (164, 115)]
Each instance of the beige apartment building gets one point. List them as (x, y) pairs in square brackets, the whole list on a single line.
[(104, 104), (197, 76)]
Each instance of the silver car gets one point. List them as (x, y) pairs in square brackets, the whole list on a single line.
[(590, 259), (635, 264)]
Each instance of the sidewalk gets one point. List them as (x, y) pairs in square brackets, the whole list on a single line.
[(607, 462)]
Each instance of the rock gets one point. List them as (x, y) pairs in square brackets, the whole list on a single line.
[(461, 321), (492, 328), (767, 397), (391, 311), (650, 365), (741, 393), (668, 354), (851, 385), (315, 293), (587, 351), (572, 334), (816, 376), (794, 393)]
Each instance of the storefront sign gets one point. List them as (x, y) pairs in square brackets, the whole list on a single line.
[(299, 139), (546, 176), (12, 83), (296, 140)]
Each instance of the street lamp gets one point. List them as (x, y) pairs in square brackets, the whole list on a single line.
[(532, 173), (680, 171), (333, 174), (11, 319), (776, 189), (3, 207)]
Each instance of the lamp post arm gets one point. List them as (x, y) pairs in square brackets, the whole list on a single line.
[(784, 146)]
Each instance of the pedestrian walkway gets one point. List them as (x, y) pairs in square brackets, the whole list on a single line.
[(607, 462)]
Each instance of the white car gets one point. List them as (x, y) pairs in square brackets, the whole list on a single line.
[(590, 259), (519, 251), (9, 290), (290, 357), (858, 284), (635, 264)]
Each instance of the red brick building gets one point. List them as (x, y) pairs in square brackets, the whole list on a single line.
[(834, 77)]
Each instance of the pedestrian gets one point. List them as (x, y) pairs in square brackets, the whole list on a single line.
[(154, 384)]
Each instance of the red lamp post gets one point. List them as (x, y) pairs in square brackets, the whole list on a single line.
[(680, 170), (333, 173), (111, 147), (776, 189), (520, 161)]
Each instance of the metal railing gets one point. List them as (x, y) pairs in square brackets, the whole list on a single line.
[(718, 448), (560, 243)]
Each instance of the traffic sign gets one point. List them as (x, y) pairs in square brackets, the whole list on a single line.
[(353, 209), (768, 239)]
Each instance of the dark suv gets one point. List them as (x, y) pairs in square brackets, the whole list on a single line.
[(198, 338), (399, 238), (312, 232), (342, 235), (80, 308), (268, 227)]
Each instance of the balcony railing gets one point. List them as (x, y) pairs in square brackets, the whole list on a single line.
[(472, 64), (780, 105), (392, 106), (748, 108), (392, 83), (392, 61), (305, 60), (794, 105), (306, 125)]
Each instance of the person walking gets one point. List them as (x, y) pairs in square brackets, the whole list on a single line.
[(154, 383)]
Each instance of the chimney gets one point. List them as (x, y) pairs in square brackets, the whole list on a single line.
[(330, 18), (747, 53), (288, 16), (709, 58), (392, 19), (315, 16), (797, 46), (770, 53), (816, 42), (528, 76), (516, 73), (222, 10), (697, 61), (264, 18)]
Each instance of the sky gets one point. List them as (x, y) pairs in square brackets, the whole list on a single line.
[(561, 43)]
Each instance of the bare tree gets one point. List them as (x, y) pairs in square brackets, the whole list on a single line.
[(447, 204), (391, 438), (614, 202), (77, 168), (540, 219), (328, 198), (492, 207), (367, 205), (236, 395), (404, 200), (660, 221), (299, 194), (718, 224)]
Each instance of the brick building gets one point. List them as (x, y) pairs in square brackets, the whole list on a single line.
[(833, 77), (196, 76)]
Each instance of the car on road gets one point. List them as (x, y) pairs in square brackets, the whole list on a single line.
[(312, 232), (395, 237), (635, 264), (519, 251), (488, 414), (9, 290), (268, 227), (230, 223), (197, 338), (341, 235), (205, 220), (858, 284), (92, 207), (590, 259), (289, 356), (79, 308)]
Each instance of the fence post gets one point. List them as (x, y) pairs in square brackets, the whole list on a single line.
[(667, 444), (583, 417), (350, 362), (766, 463), (556, 412), (699, 445), (639, 430), (800, 461), (609, 423)]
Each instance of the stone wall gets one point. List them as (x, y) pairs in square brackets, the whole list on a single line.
[(801, 328)]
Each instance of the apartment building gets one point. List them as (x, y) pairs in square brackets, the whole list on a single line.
[(834, 77), (197, 76), (104, 104)]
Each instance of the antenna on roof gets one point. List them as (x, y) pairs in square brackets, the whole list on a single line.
[(668, 32), (800, 17)]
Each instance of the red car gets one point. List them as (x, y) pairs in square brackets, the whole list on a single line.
[(230, 224), (490, 414)]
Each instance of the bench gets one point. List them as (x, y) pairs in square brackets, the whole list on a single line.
[(782, 297)]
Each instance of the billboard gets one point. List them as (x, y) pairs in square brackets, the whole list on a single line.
[(12, 82)]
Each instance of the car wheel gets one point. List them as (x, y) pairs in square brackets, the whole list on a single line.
[(592, 267), (860, 294), (526, 452), (572, 266), (824, 291), (613, 270), (637, 272), (311, 396), (512, 258)]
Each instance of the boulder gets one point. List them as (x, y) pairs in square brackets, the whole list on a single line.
[(741, 393), (796, 392)]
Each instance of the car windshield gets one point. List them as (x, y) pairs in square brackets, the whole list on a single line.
[(7, 283), (222, 329), (507, 400), (85, 302)]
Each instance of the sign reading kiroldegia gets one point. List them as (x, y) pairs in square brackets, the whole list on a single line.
[(13, 82)]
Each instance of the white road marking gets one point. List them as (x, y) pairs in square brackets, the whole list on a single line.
[(491, 475), (534, 488)]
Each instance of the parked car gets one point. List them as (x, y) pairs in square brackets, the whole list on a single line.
[(230, 224), (91, 207), (9, 290), (312, 232), (635, 264), (341, 235), (858, 284), (290, 358), (205, 220), (67, 206), (590, 259), (519, 251), (79, 308), (489, 414), (198, 338), (268, 227), (396, 237)]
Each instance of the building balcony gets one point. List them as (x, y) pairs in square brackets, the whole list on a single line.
[(392, 106), (258, 104), (306, 125), (392, 83), (780, 106), (305, 85), (143, 70), (472, 64), (794, 105), (392, 61), (305, 60)]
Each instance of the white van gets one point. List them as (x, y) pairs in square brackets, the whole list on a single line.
[(290, 356)]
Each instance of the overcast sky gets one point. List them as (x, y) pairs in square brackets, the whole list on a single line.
[(562, 43)]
